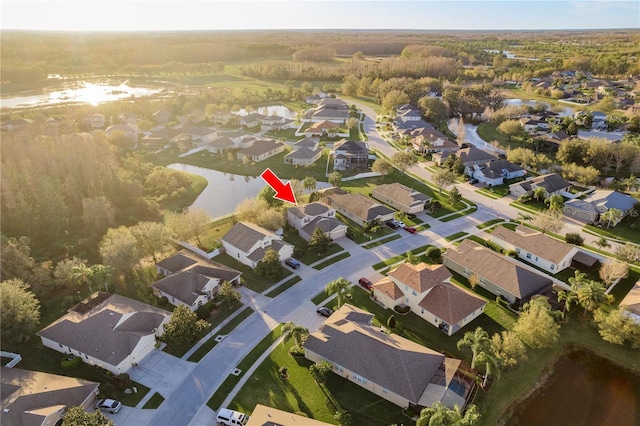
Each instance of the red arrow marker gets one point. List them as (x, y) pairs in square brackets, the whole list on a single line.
[(283, 192)]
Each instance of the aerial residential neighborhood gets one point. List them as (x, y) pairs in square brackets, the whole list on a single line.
[(218, 225)]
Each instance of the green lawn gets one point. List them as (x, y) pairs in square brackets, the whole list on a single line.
[(252, 280), (381, 241), (331, 261), (291, 236), (288, 134), (282, 287), (231, 381), (628, 230), (456, 236), (395, 259), (154, 402), (489, 132), (221, 163), (199, 353), (458, 214), (319, 298), (489, 223), (359, 236), (300, 393)]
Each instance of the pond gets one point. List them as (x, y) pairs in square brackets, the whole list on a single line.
[(561, 110), (224, 190), (584, 389), (269, 110), (78, 92)]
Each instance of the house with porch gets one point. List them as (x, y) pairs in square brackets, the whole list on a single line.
[(496, 273), (360, 209), (392, 367), (427, 290), (261, 150), (33, 398), (307, 218), (191, 280), (431, 140), (348, 154), (553, 183), (303, 156), (495, 172), (247, 243), (400, 197), (107, 330), (595, 204), (535, 247)]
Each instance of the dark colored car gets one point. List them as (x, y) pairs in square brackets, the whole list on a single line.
[(364, 282), (325, 312), (292, 263), (391, 224), (410, 229), (472, 181)]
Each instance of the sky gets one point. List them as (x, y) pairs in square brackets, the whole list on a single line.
[(159, 15)]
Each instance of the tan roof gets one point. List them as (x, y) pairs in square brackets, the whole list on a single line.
[(498, 269), (420, 277), (324, 124), (29, 396), (632, 300), (363, 207), (451, 303), (402, 194), (534, 242), (388, 288), (244, 235), (108, 331), (261, 147), (348, 339), (269, 416)]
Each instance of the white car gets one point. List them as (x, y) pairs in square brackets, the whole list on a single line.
[(110, 405), (231, 418)]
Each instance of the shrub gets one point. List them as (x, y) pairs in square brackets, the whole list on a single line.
[(574, 238), (298, 252), (70, 364), (433, 253), (402, 309), (510, 253)]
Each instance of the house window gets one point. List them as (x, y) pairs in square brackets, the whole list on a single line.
[(414, 293), (518, 250), (553, 267), (528, 255), (360, 379), (384, 390), (536, 258), (406, 300)]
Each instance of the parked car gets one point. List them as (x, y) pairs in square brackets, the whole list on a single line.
[(110, 405), (292, 263), (364, 282), (399, 223), (231, 418), (472, 181), (410, 229), (392, 224), (323, 311)]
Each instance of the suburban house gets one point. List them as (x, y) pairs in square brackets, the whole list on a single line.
[(631, 303), (307, 218), (496, 273), (18, 124), (392, 367), (535, 247), (305, 152), (162, 116), (426, 139), (128, 130), (198, 135), (220, 145), (159, 137), (33, 398), (315, 98), (247, 243), (359, 208), (274, 122), (534, 125), (107, 330), (261, 150), (95, 120), (269, 416), (495, 172), (349, 154), (553, 183), (330, 109), (127, 117), (191, 280), (221, 117), (251, 119), (427, 290), (469, 156), (401, 197), (598, 202), (322, 128)]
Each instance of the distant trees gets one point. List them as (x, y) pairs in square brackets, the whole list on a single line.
[(19, 311), (119, 250), (393, 99), (435, 111)]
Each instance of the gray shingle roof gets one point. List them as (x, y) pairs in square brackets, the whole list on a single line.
[(402, 194), (552, 182), (392, 362), (311, 209), (600, 201), (450, 303), (534, 242), (420, 277), (261, 146), (363, 207), (303, 153), (244, 235), (474, 154), (325, 224)]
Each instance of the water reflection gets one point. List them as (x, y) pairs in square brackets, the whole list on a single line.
[(270, 110)]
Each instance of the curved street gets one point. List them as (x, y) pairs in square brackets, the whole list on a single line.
[(187, 387)]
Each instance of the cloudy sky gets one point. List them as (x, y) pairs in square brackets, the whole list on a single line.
[(152, 15)]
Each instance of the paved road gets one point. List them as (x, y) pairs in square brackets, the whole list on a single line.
[(187, 386)]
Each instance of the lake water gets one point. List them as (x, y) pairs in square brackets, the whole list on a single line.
[(584, 390), (279, 110), (225, 191), (561, 112), (79, 92)]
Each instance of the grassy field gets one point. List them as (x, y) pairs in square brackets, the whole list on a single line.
[(299, 393), (320, 297), (252, 280), (291, 236), (489, 132), (331, 261)]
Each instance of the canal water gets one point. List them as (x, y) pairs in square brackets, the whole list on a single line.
[(584, 390)]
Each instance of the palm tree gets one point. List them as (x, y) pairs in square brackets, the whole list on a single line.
[(612, 216), (309, 183), (101, 275), (539, 193), (482, 351), (602, 242), (555, 202), (523, 217), (491, 364), (295, 331), (593, 294), (340, 287), (569, 297), (577, 279), (439, 414), (82, 274)]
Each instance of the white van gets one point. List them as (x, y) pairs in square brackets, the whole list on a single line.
[(231, 418)]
